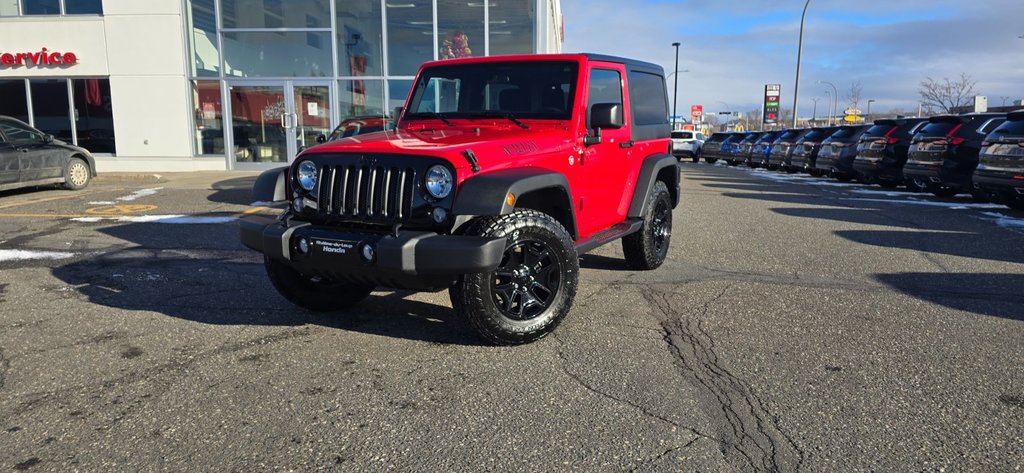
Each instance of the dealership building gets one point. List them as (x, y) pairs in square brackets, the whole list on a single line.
[(181, 85)]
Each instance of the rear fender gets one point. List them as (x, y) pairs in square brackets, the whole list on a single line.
[(657, 167)]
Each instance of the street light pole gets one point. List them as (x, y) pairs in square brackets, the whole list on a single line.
[(867, 116), (835, 98), (814, 113), (675, 92), (799, 52), (829, 95)]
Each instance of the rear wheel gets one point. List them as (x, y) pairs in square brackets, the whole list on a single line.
[(1016, 203), (710, 160), (312, 292), (980, 195), (647, 248), (77, 174), (916, 185), (532, 289), (943, 191)]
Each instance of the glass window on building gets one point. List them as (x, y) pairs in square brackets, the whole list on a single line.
[(460, 29), (8, 7), (360, 42), (277, 54), (202, 38), (83, 7), (512, 27), (398, 91), (40, 7), (410, 35), (209, 117), (361, 107), (272, 13), (93, 113), (51, 108), (15, 101)]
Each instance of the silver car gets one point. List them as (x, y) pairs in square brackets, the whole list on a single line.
[(687, 143)]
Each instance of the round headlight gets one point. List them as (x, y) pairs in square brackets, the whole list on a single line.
[(307, 175), (439, 181)]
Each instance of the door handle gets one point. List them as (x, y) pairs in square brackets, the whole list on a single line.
[(626, 144)]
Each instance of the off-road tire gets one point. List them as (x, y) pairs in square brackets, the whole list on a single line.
[(77, 174), (647, 248), (532, 291), (313, 293)]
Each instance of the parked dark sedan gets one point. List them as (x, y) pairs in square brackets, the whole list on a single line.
[(29, 157), (882, 150), (782, 149), (759, 150), (944, 154), (835, 158), (1000, 170), (806, 149)]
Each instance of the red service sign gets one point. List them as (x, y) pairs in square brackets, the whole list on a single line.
[(41, 58)]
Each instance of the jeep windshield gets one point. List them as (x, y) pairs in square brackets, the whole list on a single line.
[(510, 90)]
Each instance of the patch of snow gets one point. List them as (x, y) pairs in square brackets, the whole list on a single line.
[(1005, 221), (871, 192), (928, 203), (22, 255), (139, 194), (261, 203)]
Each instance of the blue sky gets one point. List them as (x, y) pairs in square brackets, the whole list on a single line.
[(733, 47)]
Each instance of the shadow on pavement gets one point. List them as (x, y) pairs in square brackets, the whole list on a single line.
[(201, 273), (233, 191), (991, 294), (950, 242)]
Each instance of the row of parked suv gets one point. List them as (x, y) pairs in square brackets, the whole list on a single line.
[(980, 153)]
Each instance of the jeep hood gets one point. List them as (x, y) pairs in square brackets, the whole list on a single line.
[(492, 146)]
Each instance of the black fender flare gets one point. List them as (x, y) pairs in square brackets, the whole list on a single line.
[(656, 167), (270, 185), (485, 194)]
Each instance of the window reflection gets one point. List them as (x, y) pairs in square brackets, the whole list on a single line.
[(50, 109), (15, 102), (273, 13), (460, 27), (83, 7), (359, 98), (359, 38), (398, 90), (8, 7), (40, 7), (512, 27), (410, 35), (209, 118), (274, 54), (94, 118), (203, 38)]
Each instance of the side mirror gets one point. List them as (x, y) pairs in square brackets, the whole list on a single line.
[(396, 115), (321, 138), (606, 115), (48, 138)]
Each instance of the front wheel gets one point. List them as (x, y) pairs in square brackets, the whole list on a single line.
[(916, 185), (944, 192), (77, 174), (532, 289), (647, 248), (710, 160), (313, 292)]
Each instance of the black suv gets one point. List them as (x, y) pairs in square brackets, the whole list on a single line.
[(741, 151), (944, 154), (882, 150), (806, 149), (758, 156), (1000, 170), (782, 149), (712, 149), (835, 158)]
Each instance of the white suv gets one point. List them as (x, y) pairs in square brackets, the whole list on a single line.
[(687, 143)]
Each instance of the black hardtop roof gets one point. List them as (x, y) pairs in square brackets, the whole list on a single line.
[(964, 118), (1015, 116), (898, 121), (633, 63)]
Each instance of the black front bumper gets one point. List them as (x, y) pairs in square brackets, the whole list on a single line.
[(407, 260)]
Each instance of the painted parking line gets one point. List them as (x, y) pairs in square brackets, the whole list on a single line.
[(120, 209), (60, 197)]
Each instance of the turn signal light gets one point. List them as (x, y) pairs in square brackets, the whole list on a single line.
[(510, 199)]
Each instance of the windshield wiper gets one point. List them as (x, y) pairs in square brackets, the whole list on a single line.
[(506, 115), (431, 115)]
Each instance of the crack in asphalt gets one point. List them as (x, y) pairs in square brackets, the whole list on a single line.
[(753, 437), (5, 365)]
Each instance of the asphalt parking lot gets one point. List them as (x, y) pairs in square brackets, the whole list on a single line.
[(799, 324)]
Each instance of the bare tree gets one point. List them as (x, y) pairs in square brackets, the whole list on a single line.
[(947, 95), (853, 96), (711, 120)]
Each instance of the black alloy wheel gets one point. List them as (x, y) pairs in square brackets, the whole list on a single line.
[(648, 248), (526, 282)]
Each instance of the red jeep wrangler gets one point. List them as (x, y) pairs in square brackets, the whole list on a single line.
[(501, 172)]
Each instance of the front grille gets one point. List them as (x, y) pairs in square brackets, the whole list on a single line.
[(369, 193)]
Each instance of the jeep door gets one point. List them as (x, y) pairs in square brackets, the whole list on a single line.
[(606, 165)]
